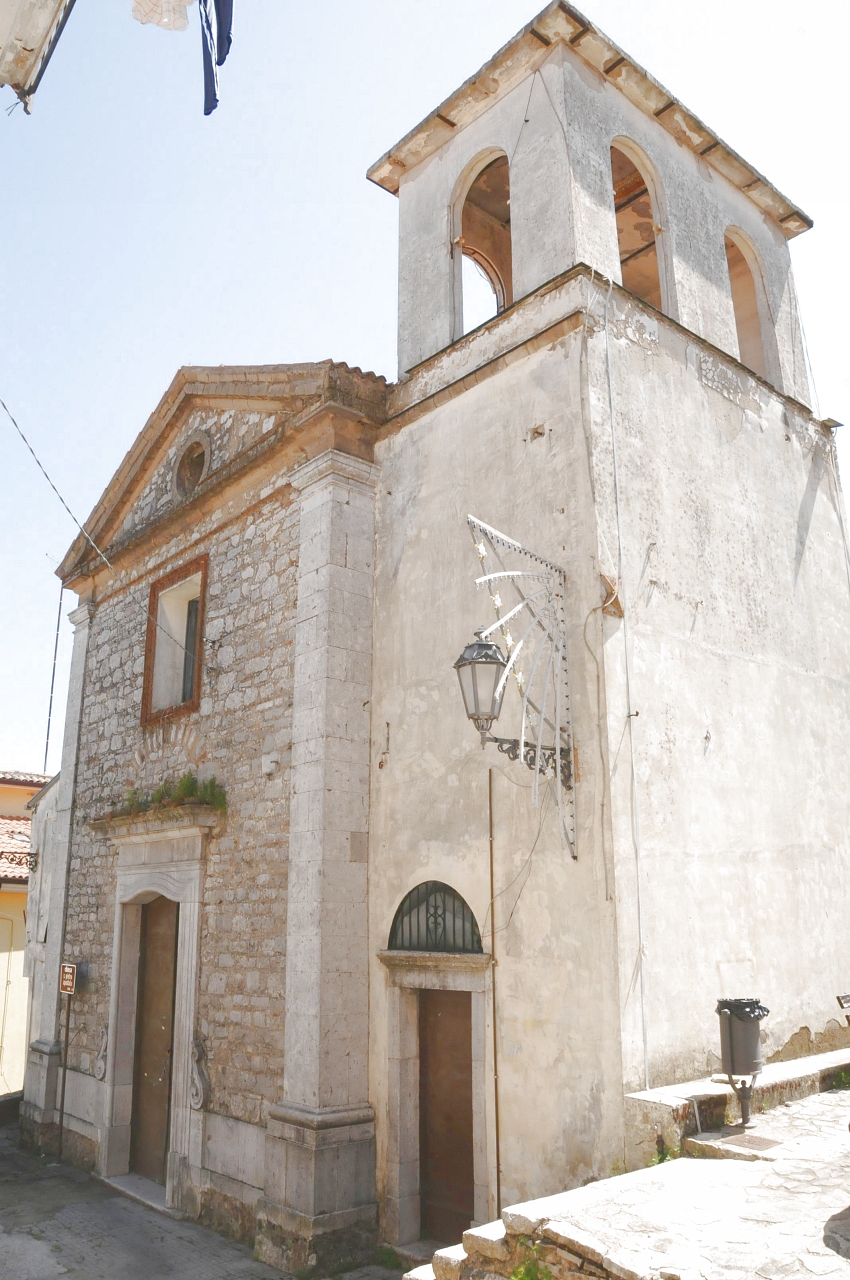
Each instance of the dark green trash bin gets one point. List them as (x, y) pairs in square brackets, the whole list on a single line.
[(740, 1043)]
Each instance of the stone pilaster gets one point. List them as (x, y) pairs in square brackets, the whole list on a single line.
[(319, 1206), (38, 1109)]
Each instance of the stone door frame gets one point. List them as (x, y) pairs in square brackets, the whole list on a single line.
[(151, 863), (410, 972)]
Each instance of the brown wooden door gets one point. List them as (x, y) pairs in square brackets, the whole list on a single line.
[(154, 1039), (447, 1185)]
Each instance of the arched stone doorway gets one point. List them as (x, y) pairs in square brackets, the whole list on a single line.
[(437, 1170)]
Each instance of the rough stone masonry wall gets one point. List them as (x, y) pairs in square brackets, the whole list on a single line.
[(241, 734)]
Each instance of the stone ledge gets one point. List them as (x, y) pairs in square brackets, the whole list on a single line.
[(677, 1112), (155, 822)]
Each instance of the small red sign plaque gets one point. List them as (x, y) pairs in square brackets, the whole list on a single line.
[(68, 979)]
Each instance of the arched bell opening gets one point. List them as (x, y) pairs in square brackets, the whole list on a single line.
[(745, 288), (484, 239), (638, 228)]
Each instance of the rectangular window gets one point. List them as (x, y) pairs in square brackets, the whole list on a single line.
[(174, 642)]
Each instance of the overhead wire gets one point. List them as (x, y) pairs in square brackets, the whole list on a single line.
[(145, 608)]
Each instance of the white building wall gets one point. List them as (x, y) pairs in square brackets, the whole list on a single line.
[(739, 609), (556, 1005)]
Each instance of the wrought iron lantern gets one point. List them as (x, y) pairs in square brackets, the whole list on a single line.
[(479, 671)]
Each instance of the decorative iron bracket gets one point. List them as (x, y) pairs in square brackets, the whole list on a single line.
[(510, 747)]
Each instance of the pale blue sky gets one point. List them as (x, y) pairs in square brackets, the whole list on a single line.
[(138, 236)]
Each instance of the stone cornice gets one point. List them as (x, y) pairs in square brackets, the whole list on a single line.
[(156, 823), (438, 970), (333, 465), (560, 24), (541, 317)]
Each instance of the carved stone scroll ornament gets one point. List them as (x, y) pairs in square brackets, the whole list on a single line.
[(100, 1060), (200, 1089)]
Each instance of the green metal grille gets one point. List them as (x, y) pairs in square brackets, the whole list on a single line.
[(432, 917)]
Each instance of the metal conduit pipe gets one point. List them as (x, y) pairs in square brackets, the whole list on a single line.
[(630, 712)]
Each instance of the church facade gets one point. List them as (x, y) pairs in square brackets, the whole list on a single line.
[(349, 990)]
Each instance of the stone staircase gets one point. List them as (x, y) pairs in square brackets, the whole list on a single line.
[(698, 1118)]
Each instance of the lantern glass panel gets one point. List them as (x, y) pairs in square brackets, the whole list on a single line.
[(489, 675), (466, 676)]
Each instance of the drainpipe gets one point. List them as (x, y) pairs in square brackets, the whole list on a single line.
[(493, 995)]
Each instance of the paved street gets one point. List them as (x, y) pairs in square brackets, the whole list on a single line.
[(57, 1221)]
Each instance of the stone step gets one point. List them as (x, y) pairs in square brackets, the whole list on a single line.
[(448, 1263), (144, 1191), (416, 1252), (488, 1240), (730, 1145), (425, 1272)]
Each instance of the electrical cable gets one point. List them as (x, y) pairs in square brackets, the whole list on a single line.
[(838, 506), (526, 864), (524, 122), (149, 616), (630, 714), (53, 486)]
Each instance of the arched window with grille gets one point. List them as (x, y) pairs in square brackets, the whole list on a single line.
[(433, 917)]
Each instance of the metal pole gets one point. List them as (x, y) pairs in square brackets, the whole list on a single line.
[(493, 994), (64, 1072)]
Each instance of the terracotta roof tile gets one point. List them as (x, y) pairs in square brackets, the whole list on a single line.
[(14, 849), (14, 777)]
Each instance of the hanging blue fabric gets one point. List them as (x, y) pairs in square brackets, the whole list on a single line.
[(216, 37)]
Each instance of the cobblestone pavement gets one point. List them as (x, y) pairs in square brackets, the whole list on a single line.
[(777, 1212), (57, 1221)]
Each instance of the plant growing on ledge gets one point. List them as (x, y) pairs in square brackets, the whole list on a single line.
[(531, 1268), (172, 795)]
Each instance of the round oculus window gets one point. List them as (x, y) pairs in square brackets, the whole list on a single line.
[(191, 468)]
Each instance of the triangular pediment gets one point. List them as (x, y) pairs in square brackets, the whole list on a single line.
[(231, 415)]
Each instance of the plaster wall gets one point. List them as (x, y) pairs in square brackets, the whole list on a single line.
[(737, 596), (736, 589), (542, 243), (14, 800), (557, 127), (13, 988), (43, 847), (556, 1006)]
